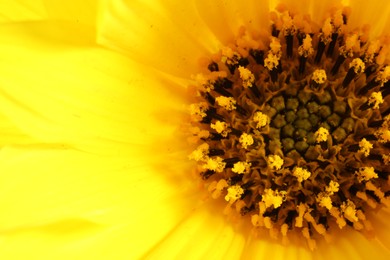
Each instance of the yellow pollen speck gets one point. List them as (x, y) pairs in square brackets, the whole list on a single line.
[(241, 167), (352, 44), (383, 135), (376, 99), (261, 119), (366, 173), (384, 75), (226, 102), (275, 162), (247, 77), (246, 140), (200, 153), (215, 164), (273, 198), (198, 111), (276, 47), (371, 51), (357, 65), (306, 48), (319, 76), (229, 56), (349, 211), (271, 62), (234, 193), (221, 127), (365, 147), (332, 187), (288, 24), (327, 30), (321, 135), (324, 200), (301, 174)]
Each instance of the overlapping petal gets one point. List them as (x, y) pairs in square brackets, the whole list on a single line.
[(91, 164)]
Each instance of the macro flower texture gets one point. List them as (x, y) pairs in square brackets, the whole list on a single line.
[(150, 129)]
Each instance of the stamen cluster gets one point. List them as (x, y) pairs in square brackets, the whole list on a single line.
[(297, 134)]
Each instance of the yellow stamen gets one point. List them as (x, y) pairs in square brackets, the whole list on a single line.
[(306, 49), (215, 164), (200, 153), (301, 174), (246, 76), (319, 76), (273, 198), (365, 147), (324, 200), (366, 173), (349, 211), (241, 167), (271, 62), (376, 99), (275, 162), (226, 102), (198, 111), (234, 193), (246, 140), (261, 119), (321, 135), (357, 65), (222, 128), (332, 187)]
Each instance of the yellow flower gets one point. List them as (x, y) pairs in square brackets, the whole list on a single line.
[(94, 162)]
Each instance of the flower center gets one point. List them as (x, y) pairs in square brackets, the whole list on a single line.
[(296, 136)]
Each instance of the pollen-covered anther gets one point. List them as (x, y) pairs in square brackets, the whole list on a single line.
[(215, 164), (324, 200), (375, 99), (241, 167), (365, 174), (288, 24), (229, 56), (365, 147), (275, 47), (271, 62), (349, 211), (261, 119), (383, 135), (200, 153), (306, 49), (383, 75), (228, 103), (357, 65), (246, 140), (273, 198), (221, 128), (246, 76), (321, 135), (332, 187), (319, 76), (352, 44), (275, 162), (301, 173), (234, 193), (372, 50), (198, 111), (326, 31)]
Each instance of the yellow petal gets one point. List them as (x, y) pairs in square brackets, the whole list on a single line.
[(169, 35), (64, 203), (376, 14), (81, 95), (23, 10)]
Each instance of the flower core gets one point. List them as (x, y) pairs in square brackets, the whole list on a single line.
[(293, 129)]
